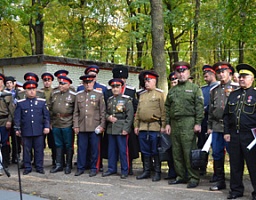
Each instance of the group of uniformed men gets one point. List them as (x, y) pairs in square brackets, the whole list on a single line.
[(132, 122)]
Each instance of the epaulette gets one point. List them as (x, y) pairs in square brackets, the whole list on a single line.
[(236, 89), (234, 84), (41, 99), (159, 90), (55, 91), (126, 96), (110, 97), (109, 88), (254, 88), (7, 91), (40, 91), (21, 100), (143, 92), (215, 86), (99, 91), (81, 91), (130, 87), (21, 91), (71, 92), (204, 86)]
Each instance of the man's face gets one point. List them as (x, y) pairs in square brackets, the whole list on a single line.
[(116, 89), (9, 85), (64, 86), (208, 77), (174, 82), (89, 85), (182, 75), (31, 93), (94, 74), (150, 83), (47, 82), (223, 75), (245, 81)]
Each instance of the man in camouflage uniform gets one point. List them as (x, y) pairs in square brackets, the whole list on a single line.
[(218, 99), (62, 108), (149, 121), (184, 114)]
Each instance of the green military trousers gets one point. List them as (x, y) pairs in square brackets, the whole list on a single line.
[(183, 141)]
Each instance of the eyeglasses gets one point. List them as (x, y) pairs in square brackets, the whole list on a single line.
[(62, 83)]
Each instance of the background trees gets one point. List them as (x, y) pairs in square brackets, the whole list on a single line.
[(120, 31)]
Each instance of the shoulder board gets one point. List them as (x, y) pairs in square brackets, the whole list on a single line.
[(71, 92), (143, 92), (204, 86), (254, 88), (39, 90), (110, 97), (81, 91), (6, 91), (109, 88), (40, 99), (55, 91), (126, 96), (21, 91), (98, 91), (234, 84), (159, 90), (214, 86), (21, 100), (238, 88), (130, 87)]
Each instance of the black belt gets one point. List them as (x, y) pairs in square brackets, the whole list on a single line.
[(3, 116)]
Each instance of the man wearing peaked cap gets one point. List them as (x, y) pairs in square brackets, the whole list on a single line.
[(61, 72), (28, 77), (31, 76), (122, 73), (32, 126), (47, 79), (62, 107), (119, 114), (6, 112), (89, 124), (218, 99), (92, 68), (210, 79), (239, 123), (178, 115), (149, 120)]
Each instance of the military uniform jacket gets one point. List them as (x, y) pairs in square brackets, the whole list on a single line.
[(129, 91), (120, 107), (218, 99), (150, 115), (90, 111), (47, 94), (31, 116), (240, 111), (6, 109), (185, 100), (62, 108)]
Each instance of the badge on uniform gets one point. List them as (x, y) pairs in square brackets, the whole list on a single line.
[(69, 98), (228, 90), (249, 99), (120, 106), (36, 102), (92, 98)]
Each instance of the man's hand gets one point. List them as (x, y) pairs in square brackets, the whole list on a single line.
[(227, 137), (76, 130), (168, 129), (209, 131), (18, 133), (8, 125), (112, 119), (197, 128), (46, 130), (136, 131), (124, 132)]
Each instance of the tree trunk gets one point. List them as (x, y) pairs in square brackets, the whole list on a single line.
[(158, 54), (195, 37), (241, 51)]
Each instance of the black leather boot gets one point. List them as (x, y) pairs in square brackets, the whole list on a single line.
[(146, 172), (5, 156), (157, 176), (69, 157), (59, 166), (220, 173)]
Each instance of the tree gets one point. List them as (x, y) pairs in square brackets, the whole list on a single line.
[(158, 41)]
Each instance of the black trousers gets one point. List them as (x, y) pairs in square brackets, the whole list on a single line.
[(238, 154)]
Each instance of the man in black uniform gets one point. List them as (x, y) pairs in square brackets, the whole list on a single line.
[(239, 118)]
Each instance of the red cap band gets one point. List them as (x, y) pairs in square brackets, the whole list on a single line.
[(149, 76), (64, 80), (29, 86)]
